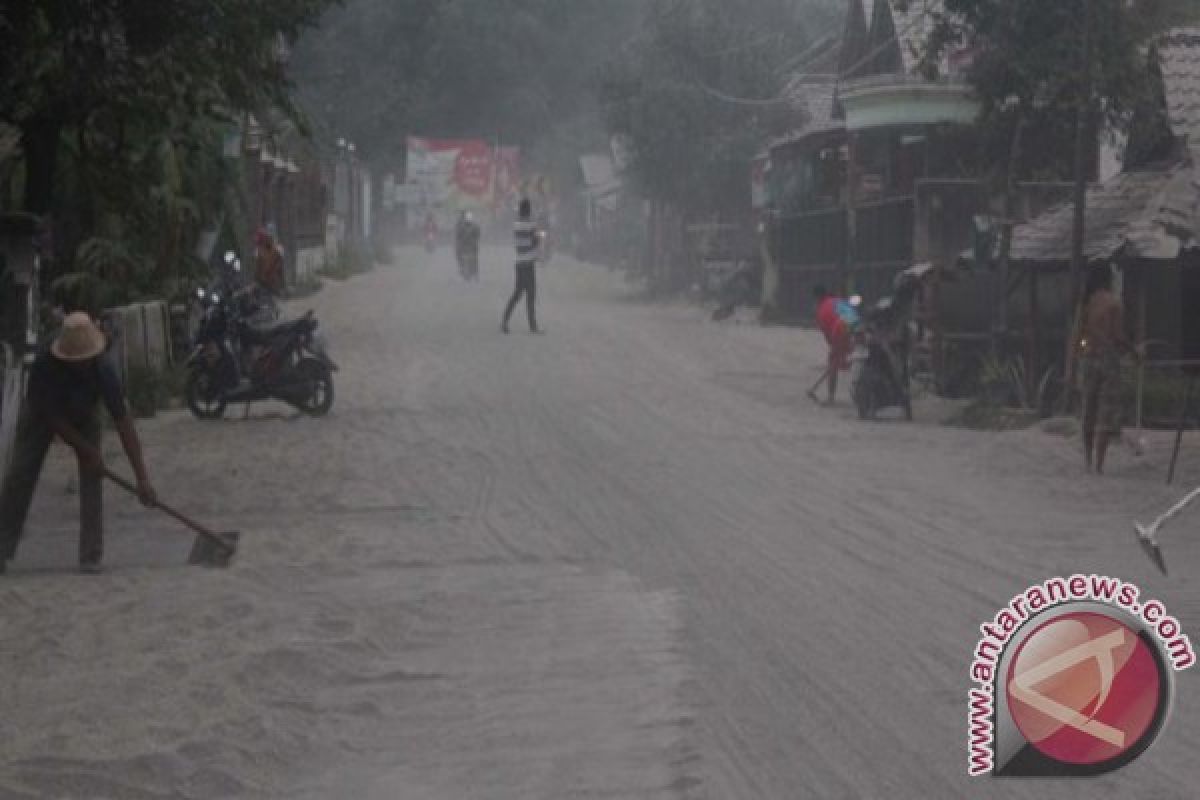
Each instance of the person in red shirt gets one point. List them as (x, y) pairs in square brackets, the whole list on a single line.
[(837, 319)]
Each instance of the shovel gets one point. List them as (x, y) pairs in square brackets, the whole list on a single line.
[(812, 393), (1147, 535), (210, 549)]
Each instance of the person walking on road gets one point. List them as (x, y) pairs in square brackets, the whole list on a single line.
[(1101, 345), (837, 319), (66, 384), (528, 243)]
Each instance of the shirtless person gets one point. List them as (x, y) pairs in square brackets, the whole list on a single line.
[(1100, 348)]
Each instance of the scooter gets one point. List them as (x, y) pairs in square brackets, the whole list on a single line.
[(233, 361), (878, 373), (879, 363)]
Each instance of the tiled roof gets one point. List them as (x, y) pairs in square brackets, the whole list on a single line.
[(1149, 214), (1179, 56), (814, 97)]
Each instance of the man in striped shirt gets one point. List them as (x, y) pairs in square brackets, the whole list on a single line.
[(528, 243)]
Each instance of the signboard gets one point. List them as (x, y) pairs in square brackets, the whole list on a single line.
[(870, 185), (450, 175), (446, 176)]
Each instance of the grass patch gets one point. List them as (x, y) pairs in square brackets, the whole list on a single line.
[(984, 416)]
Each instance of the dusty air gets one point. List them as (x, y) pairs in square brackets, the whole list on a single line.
[(672, 399)]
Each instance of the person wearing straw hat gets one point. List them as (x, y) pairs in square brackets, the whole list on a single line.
[(67, 382)]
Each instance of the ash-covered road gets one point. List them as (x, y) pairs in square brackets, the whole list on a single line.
[(624, 559)]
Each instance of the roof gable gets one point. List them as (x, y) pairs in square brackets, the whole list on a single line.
[(855, 34), (913, 28), (898, 37)]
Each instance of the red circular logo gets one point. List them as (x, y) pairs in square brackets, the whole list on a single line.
[(473, 168), (1084, 689)]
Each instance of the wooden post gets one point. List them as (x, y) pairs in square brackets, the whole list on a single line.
[(1141, 340), (852, 178), (1079, 227), (1033, 359)]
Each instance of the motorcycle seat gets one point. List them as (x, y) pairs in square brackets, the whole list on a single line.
[(262, 335)]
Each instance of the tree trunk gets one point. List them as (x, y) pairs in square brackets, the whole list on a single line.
[(39, 142), (1000, 310)]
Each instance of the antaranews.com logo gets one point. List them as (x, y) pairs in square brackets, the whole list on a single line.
[(1074, 677)]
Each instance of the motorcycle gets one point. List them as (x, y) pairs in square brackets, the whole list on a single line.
[(468, 263), (430, 242), (233, 361), (741, 286), (466, 249), (879, 363)]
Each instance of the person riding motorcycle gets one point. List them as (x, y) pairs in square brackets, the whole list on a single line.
[(466, 244), (431, 232)]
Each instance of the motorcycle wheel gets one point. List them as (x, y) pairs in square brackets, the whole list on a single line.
[(203, 400), (318, 399)]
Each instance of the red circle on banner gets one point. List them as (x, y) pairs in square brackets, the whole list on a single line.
[(473, 169), (1084, 688)]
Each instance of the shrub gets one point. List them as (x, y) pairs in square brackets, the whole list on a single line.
[(145, 391), (149, 390), (349, 262)]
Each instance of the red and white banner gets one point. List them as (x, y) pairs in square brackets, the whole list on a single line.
[(452, 175)]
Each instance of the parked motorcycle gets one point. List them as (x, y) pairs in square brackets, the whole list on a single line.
[(880, 361), (233, 361), (741, 286)]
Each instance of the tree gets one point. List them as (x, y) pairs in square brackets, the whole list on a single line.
[(1040, 64), (518, 71), (699, 93), (127, 93)]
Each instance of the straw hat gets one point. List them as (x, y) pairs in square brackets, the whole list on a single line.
[(79, 339)]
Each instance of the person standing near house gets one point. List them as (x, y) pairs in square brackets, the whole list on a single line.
[(837, 320), (268, 263), (1102, 342), (67, 382), (528, 243)]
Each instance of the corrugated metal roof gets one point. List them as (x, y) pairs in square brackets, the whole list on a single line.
[(1150, 214), (1179, 56)]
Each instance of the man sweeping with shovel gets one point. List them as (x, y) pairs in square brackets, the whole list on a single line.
[(66, 384)]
